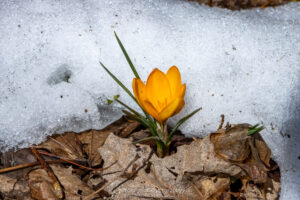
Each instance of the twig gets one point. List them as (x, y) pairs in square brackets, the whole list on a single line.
[(100, 189), (74, 163), (110, 173), (222, 122), (197, 189), (57, 186), (153, 198), (113, 180), (135, 172), (91, 157), (9, 169), (266, 4)]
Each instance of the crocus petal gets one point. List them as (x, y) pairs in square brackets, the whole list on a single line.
[(139, 90), (179, 108), (169, 110), (182, 91), (150, 109), (158, 89), (174, 78)]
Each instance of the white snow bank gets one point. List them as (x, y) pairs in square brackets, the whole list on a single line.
[(244, 64)]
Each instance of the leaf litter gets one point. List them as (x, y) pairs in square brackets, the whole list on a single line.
[(106, 164)]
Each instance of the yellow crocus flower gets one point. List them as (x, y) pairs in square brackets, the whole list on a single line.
[(163, 94)]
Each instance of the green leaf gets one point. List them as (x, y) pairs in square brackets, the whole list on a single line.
[(143, 121), (119, 82), (109, 101), (129, 108), (127, 57), (127, 91), (116, 97), (135, 73), (255, 129), (146, 139), (181, 122)]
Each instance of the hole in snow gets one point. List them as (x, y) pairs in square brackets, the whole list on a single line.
[(61, 74)]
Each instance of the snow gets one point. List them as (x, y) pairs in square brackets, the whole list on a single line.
[(244, 64)]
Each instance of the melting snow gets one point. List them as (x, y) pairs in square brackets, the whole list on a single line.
[(244, 64)]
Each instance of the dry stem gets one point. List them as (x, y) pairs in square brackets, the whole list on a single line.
[(56, 184)]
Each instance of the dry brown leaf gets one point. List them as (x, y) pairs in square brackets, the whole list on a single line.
[(20, 157), (14, 188), (91, 141), (193, 172), (67, 146), (214, 187), (174, 176), (41, 185), (255, 170), (73, 186), (200, 156), (123, 127), (232, 143), (13, 158), (262, 149), (253, 192), (249, 153), (7, 184), (197, 170)]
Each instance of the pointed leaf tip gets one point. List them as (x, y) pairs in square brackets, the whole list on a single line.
[(127, 56), (116, 97), (255, 129), (181, 121), (109, 101)]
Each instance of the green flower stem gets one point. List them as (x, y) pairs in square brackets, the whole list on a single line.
[(160, 149), (162, 132), (146, 139)]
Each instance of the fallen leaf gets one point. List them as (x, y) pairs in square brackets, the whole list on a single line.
[(67, 146), (91, 141), (262, 149), (173, 176), (41, 185), (232, 143), (123, 127), (12, 158), (12, 188), (256, 171)]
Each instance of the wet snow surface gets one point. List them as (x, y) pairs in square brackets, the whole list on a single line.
[(244, 64)]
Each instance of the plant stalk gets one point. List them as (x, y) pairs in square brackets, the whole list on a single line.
[(162, 147)]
